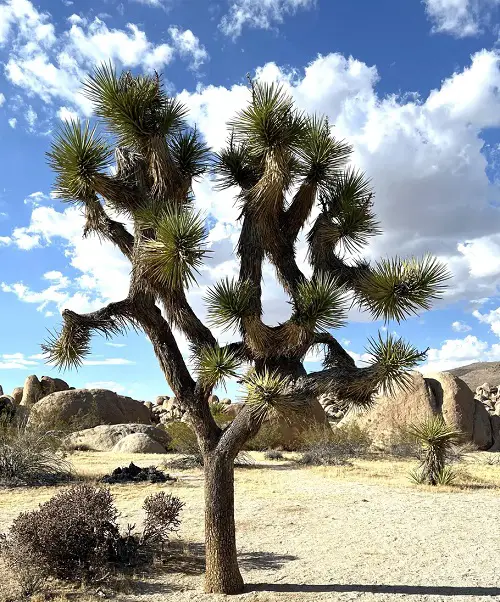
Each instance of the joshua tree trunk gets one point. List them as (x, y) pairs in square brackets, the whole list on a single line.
[(222, 572)]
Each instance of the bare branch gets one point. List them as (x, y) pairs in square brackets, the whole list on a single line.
[(97, 221), (336, 355)]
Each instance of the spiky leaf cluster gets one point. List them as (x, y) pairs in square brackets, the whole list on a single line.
[(215, 364), (348, 204), (437, 439), (266, 395), (322, 156), (77, 155), (269, 123), (393, 358), (434, 433), (190, 153), (172, 259), (68, 348), (235, 167), (229, 302), (134, 108), (397, 288), (320, 303)]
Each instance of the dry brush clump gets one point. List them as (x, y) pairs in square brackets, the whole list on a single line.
[(335, 448), (31, 458), (75, 537), (273, 454)]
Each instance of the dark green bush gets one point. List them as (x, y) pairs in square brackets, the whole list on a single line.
[(268, 437)]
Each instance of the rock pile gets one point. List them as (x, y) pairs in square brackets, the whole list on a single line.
[(166, 409), (22, 399), (133, 473), (490, 398)]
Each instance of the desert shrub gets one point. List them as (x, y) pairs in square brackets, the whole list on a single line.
[(218, 411), (182, 438), (31, 458), (162, 517), (324, 453), (273, 454), (185, 462), (438, 441), (335, 447), (268, 437), (402, 444), (183, 441), (75, 536), (491, 460), (190, 461)]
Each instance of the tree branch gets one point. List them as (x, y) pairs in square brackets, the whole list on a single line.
[(336, 356), (97, 221), (299, 210)]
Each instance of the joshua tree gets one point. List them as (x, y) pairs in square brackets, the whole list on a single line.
[(288, 173), (437, 440)]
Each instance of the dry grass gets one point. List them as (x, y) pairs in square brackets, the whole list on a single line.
[(328, 528)]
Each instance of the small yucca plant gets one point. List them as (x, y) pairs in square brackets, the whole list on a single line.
[(437, 440)]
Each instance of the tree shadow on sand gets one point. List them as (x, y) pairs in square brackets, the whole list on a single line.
[(429, 590), (189, 559)]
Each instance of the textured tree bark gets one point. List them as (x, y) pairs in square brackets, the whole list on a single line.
[(222, 572)]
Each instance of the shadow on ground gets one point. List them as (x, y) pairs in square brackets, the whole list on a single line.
[(429, 590), (190, 560)]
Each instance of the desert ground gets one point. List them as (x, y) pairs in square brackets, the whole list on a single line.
[(362, 532)]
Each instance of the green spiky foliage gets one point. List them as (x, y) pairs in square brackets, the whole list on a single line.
[(69, 348), (77, 155), (395, 288), (217, 364), (393, 359), (228, 303), (264, 392), (437, 440), (322, 157), (320, 304), (292, 183), (348, 220), (133, 108), (173, 257)]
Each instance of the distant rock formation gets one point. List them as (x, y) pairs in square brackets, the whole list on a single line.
[(440, 394), (474, 375)]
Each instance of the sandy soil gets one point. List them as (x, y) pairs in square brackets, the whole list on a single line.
[(363, 533)]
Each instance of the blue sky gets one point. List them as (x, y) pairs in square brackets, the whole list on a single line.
[(413, 85)]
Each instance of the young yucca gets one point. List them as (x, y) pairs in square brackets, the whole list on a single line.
[(437, 440)]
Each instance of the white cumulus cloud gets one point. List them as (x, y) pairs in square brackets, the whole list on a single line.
[(259, 14), (460, 18), (16, 361), (188, 46), (460, 352), (461, 327), (52, 67)]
